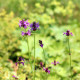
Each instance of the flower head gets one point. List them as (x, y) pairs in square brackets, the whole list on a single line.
[(46, 70), (68, 33), (41, 64), (26, 33), (24, 23), (20, 61), (34, 26), (40, 43), (55, 63), (14, 77)]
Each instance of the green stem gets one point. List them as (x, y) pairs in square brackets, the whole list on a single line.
[(45, 63), (41, 75), (18, 69), (28, 48), (34, 57), (29, 53), (44, 57), (70, 57)]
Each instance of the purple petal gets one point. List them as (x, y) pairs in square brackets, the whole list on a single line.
[(27, 20), (22, 63), (25, 27), (19, 24), (23, 19), (64, 33), (71, 34), (20, 21), (27, 23), (29, 32), (31, 28), (31, 25), (49, 71), (22, 33), (20, 58), (52, 63), (44, 68), (58, 62), (41, 64), (67, 34), (23, 59), (14, 76), (37, 25), (41, 45), (16, 63)]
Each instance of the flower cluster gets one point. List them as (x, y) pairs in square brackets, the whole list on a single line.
[(14, 77), (24, 23), (34, 26), (20, 61), (41, 64), (67, 33), (55, 63), (40, 43), (26, 33), (46, 70)]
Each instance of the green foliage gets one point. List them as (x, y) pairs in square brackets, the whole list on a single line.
[(54, 17)]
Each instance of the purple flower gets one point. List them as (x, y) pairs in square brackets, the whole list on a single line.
[(34, 26), (27, 23), (41, 64), (23, 23), (55, 63), (20, 61), (68, 33), (26, 33), (46, 70), (40, 43), (14, 77)]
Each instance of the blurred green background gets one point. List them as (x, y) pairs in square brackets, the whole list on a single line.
[(54, 17)]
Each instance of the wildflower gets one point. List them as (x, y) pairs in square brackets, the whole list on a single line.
[(14, 77), (26, 33), (23, 23), (20, 61), (41, 64), (46, 70), (55, 63), (34, 26), (40, 43), (68, 33)]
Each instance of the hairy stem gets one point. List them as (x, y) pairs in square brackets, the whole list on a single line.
[(34, 57), (29, 53), (70, 57), (41, 75)]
